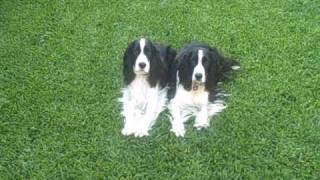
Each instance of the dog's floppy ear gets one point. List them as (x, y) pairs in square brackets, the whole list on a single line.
[(128, 63), (184, 69), (171, 54), (214, 70), (172, 65), (158, 70)]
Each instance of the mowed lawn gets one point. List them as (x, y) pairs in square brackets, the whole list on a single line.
[(60, 78)]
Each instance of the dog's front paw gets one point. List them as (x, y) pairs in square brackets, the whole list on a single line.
[(179, 131), (126, 131), (142, 132), (201, 122), (201, 125)]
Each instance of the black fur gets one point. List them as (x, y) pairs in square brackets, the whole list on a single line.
[(216, 67), (160, 57)]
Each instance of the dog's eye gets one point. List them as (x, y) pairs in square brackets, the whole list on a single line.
[(193, 62), (205, 60), (147, 50), (136, 50)]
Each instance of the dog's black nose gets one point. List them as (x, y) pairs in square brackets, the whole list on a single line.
[(142, 65), (198, 76)]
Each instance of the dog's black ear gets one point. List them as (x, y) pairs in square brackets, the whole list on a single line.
[(184, 69), (172, 65), (172, 71), (158, 69), (214, 70), (128, 63), (171, 54)]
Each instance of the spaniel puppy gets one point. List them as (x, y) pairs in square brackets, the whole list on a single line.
[(146, 73), (194, 78)]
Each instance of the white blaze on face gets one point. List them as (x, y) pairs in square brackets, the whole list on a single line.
[(199, 69), (142, 59)]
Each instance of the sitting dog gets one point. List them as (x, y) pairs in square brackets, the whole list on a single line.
[(146, 74), (196, 72)]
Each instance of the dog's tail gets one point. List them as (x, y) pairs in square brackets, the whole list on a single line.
[(229, 65)]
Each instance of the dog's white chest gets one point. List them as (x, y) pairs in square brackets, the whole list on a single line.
[(138, 90), (192, 98)]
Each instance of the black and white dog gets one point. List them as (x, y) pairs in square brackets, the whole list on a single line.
[(146, 74), (195, 75)]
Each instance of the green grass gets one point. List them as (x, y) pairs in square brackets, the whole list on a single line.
[(60, 77)]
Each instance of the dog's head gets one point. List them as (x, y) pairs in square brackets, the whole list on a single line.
[(200, 65), (140, 58)]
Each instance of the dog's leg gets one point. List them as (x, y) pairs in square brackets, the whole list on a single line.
[(202, 119), (177, 122), (129, 114), (146, 121)]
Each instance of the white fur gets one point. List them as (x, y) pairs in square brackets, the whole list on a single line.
[(142, 58), (141, 106), (192, 103), (199, 69)]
